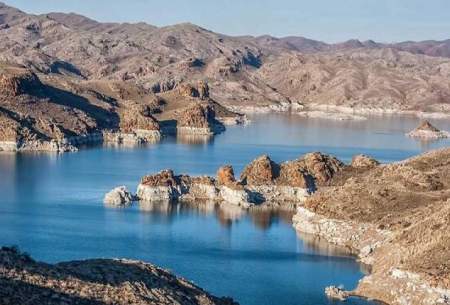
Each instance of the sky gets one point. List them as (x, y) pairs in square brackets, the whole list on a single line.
[(326, 20)]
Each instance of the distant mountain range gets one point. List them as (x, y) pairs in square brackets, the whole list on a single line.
[(100, 69)]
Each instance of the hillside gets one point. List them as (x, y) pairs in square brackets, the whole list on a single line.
[(89, 76)]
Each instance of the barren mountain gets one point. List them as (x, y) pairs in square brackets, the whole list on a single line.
[(90, 76)]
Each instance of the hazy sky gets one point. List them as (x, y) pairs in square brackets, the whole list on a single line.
[(328, 20)]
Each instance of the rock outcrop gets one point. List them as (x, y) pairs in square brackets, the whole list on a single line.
[(261, 171), (97, 281), (119, 196), (16, 80), (263, 180), (395, 217), (164, 186), (363, 161), (336, 293), (427, 131), (199, 119)]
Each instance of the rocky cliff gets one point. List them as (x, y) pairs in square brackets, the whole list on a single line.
[(262, 181), (395, 217), (98, 281)]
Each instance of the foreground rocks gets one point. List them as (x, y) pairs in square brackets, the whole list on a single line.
[(427, 131), (99, 282), (396, 219)]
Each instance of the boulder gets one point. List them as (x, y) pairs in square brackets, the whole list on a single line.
[(119, 196), (336, 293), (363, 161)]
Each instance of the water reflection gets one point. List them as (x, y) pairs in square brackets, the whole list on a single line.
[(226, 214), (193, 139)]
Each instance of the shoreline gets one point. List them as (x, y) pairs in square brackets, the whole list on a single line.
[(326, 112), (362, 240)]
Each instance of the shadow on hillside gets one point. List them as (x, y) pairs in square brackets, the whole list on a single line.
[(15, 292), (104, 117)]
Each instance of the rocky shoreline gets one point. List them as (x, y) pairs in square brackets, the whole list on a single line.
[(263, 181), (97, 281), (371, 214)]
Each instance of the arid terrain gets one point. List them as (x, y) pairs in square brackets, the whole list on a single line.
[(395, 217), (67, 79), (99, 282)]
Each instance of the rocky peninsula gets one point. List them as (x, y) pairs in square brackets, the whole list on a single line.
[(396, 219), (97, 281), (262, 181)]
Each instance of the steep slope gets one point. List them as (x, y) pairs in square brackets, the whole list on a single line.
[(99, 281), (364, 80), (396, 217)]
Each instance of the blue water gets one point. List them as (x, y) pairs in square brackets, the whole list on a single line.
[(51, 207)]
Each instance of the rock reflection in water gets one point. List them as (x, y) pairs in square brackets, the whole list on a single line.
[(316, 244), (226, 213), (166, 208), (194, 139)]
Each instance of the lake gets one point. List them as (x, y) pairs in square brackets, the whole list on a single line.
[(52, 208)]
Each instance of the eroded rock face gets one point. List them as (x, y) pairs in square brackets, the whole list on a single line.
[(322, 167), (199, 119), (15, 81), (164, 186), (295, 174), (225, 177), (96, 281), (119, 196), (261, 171), (133, 119), (363, 161), (395, 217)]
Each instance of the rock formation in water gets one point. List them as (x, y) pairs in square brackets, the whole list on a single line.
[(263, 180), (119, 196), (396, 218), (98, 281), (427, 131), (199, 119)]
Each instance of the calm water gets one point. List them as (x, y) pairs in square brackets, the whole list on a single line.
[(51, 207)]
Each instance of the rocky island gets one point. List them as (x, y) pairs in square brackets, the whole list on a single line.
[(98, 281), (427, 131)]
